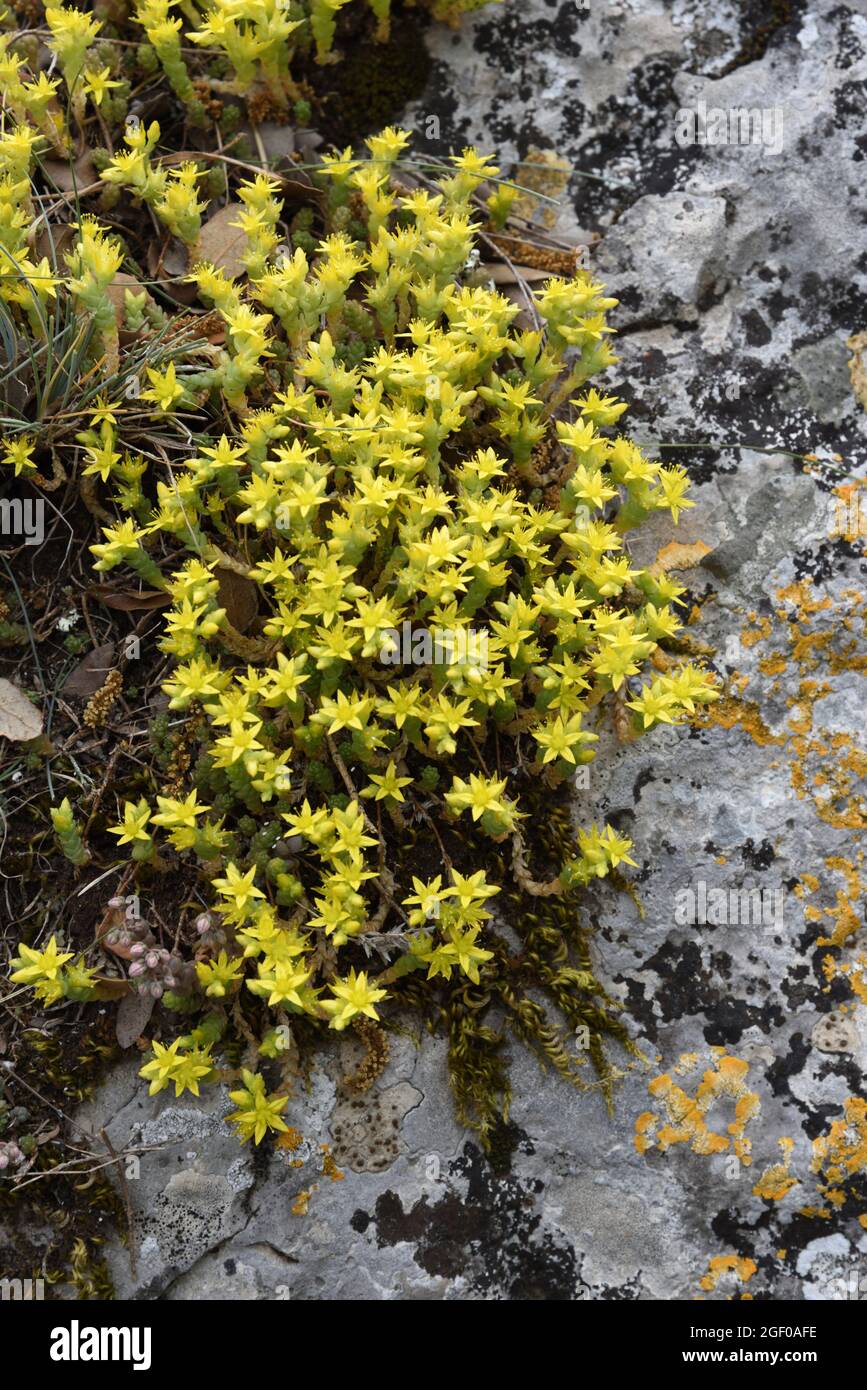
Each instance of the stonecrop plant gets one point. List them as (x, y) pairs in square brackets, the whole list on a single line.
[(376, 450)]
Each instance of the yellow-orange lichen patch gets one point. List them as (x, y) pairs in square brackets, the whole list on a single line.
[(329, 1167), (740, 1266), (730, 713), (855, 973), (842, 1152), (290, 1139), (844, 914), (751, 636), (802, 596), (685, 1114), (774, 665), (777, 1180)]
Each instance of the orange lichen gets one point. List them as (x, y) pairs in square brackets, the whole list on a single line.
[(730, 713), (776, 1180), (751, 636), (740, 1266), (842, 1152), (685, 1114), (329, 1167), (291, 1139)]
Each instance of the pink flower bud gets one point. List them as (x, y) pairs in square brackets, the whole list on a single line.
[(137, 950), (152, 960), (156, 990), (203, 923), (136, 969)]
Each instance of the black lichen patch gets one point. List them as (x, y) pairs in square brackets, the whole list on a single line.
[(492, 1237), (688, 988), (758, 856)]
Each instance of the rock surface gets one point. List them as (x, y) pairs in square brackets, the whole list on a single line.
[(741, 271)]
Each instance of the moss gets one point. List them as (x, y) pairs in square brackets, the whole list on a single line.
[(374, 81)]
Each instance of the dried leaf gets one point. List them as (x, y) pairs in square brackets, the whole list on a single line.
[(503, 274), (110, 987), (222, 244), (71, 176), (239, 596), (53, 242), (679, 555), (132, 1017), (19, 719), (90, 673), (116, 948), (126, 600)]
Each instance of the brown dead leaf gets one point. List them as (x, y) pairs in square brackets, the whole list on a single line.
[(116, 948), (503, 274), (71, 175), (679, 555), (54, 242), (19, 719), (90, 673), (221, 243), (126, 600), (132, 1017), (110, 987), (239, 596)]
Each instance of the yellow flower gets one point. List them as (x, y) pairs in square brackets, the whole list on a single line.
[(33, 966), (96, 84), (352, 996), (132, 828), (237, 887), (257, 1111), (164, 388), (18, 453), (170, 1065)]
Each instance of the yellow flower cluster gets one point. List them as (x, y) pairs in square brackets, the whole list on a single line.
[(394, 481)]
